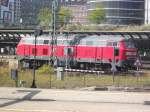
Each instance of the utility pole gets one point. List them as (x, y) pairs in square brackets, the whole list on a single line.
[(53, 26)]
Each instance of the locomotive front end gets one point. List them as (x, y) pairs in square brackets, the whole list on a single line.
[(130, 53)]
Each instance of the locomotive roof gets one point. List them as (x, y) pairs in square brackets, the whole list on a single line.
[(105, 37), (85, 37), (42, 36), (64, 37)]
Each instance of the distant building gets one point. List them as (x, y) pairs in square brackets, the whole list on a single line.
[(121, 12), (30, 9), (79, 10), (17, 13), (7, 12), (72, 2), (147, 11), (118, 12)]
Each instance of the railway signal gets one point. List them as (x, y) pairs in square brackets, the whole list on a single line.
[(113, 65), (138, 63), (38, 31)]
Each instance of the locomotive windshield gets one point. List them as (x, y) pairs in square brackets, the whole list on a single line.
[(129, 44), (115, 44)]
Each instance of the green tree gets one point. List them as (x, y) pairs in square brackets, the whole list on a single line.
[(46, 69), (97, 15), (65, 15), (44, 17)]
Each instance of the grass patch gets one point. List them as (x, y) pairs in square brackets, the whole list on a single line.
[(72, 80)]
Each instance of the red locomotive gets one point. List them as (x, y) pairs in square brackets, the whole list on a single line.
[(76, 51)]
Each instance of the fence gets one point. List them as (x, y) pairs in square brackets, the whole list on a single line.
[(77, 79)]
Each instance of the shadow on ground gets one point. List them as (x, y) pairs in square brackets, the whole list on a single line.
[(27, 97)]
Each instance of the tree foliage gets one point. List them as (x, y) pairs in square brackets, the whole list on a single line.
[(44, 17), (63, 16), (46, 69), (97, 15)]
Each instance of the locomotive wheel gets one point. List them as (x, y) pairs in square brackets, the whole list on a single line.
[(119, 68), (82, 66)]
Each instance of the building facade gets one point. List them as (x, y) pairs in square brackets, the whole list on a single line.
[(6, 12), (30, 9), (17, 13), (121, 12), (9, 12), (147, 11), (118, 12), (79, 10)]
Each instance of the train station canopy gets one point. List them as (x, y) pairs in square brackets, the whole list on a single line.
[(13, 36)]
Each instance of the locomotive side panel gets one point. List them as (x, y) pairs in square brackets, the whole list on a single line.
[(99, 53), (107, 54), (86, 53), (60, 51)]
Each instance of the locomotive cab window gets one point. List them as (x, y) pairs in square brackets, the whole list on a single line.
[(114, 44), (46, 41), (129, 44)]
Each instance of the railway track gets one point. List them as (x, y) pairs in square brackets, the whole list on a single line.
[(145, 65)]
